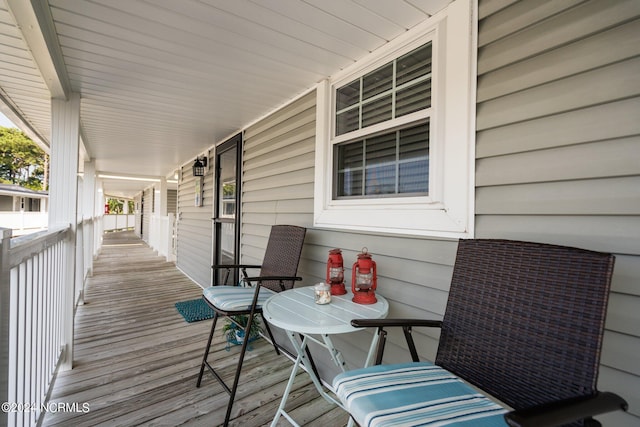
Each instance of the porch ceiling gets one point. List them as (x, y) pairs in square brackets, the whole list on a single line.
[(163, 80)]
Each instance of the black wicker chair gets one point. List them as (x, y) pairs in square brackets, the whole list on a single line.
[(277, 273), (524, 323)]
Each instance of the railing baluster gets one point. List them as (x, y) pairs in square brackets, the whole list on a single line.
[(5, 330), (13, 346), (22, 337)]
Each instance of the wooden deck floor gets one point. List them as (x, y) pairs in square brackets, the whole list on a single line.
[(136, 359)]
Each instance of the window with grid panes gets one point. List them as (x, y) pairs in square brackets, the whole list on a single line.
[(387, 163), (395, 133)]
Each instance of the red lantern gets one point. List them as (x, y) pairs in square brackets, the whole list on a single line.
[(335, 272), (364, 279)]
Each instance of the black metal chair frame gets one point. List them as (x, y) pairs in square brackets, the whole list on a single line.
[(275, 283), (502, 291)]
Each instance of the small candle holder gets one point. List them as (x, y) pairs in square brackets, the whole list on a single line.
[(322, 292)]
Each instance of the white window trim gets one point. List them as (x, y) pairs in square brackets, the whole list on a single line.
[(449, 210)]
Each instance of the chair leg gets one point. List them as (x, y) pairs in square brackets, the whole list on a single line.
[(236, 379), (206, 351)]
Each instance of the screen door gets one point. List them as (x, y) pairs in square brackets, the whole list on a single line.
[(226, 218)]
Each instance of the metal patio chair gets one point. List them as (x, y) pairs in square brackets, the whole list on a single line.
[(277, 273), (523, 323)]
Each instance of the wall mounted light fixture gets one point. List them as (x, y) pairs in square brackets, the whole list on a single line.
[(199, 166)]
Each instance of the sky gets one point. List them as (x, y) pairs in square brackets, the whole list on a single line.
[(6, 122)]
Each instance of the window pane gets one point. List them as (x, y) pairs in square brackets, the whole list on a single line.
[(348, 95), (377, 82), (370, 99), (414, 160), (414, 98), (347, 121), (394, 163), (413, 65), (381, 165), (349, 169), (376, 111), (227, 184)]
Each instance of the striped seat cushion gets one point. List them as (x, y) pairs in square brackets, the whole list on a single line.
[(229, 298), (414, 394)]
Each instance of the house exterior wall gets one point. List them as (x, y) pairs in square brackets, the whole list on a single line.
[(277, 183), (557, 161), (137, 203), (278, 173), (194, 228), (172, 201), (557, 148), (277, 180), (6, 203), (147, 211)]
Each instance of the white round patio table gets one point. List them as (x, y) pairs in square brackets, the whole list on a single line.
[(296, 312)]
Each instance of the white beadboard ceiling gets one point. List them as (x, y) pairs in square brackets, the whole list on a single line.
[(161, 81)]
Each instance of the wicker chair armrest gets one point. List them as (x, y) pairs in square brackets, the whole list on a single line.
[(405, 324), (280, 279), (566, 411), (229, 267), (232, 266), (383, 323)]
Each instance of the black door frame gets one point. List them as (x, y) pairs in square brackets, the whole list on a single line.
[(231, 143)]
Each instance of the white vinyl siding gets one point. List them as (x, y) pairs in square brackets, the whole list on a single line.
[(558, 147), (172, 201), (277, 173), (193, 244), (147, 207), (277, 182), (137, 203)]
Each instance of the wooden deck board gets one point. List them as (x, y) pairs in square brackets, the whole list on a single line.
[(136, 360)]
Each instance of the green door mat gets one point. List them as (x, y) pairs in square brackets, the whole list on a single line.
[(194, 310)]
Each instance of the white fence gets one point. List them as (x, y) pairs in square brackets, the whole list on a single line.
[(24, 222), (116, 222), (162, 235)]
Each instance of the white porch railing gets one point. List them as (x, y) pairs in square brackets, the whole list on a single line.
[(114, 222), (162, 236), (24, 222), (37, 300)]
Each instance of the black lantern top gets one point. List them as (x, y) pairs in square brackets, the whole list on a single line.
[(199, 166)]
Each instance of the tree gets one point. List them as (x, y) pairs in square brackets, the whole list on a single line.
[(116, 206), (22, 162)]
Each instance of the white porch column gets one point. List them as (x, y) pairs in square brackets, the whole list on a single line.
[(89, 211), (63, 199), (125, 212), (99, 212), (162, 202)]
